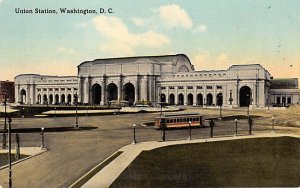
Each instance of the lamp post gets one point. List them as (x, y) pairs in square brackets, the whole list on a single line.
[(236, 124), (134, 140), (42, 133), (4, 129), (76, 104), (273, 119), (9, 154), (190, 131)]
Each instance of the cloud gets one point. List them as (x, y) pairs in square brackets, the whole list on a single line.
[(118, 49), (118, 36), (223, 58), (175, 16), (201, 28), (138, 21), (204, 61), (66, 50)]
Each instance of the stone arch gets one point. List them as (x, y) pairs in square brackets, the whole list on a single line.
[(45, 99), (129, 93), (209, 99), (56, 101), (63, 98), (199, 99), (163, 98), (219, 99), (23, 96), (190, 99), (96, 91), (180, 99), (245, 96), (69, 98), (172, 99), (112, 91), (50, 99), (183, 68)]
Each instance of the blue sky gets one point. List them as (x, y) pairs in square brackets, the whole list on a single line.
[(213, 33)]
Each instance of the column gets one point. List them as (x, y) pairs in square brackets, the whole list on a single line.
[(42, 95), (204, 95), (215, 96), (59, 95), (194, 95), (120, 92), (144, 90), (167, 94), (102, 93), (185, 95), (72, 95), (136, 88), (254, 99), (176, 95)]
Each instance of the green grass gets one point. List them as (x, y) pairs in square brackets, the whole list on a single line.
[(261, 162), (4, 158)]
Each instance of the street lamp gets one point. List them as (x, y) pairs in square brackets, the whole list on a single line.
[(134, 140), (162, 126), (4, 131), (76, 104), (9, 153), (190, 131), (42, 133), (236, 124)]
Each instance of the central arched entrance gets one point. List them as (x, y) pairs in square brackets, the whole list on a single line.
[(245, 96), (112, 90), (96, 94), (129, 93), (23, 96)]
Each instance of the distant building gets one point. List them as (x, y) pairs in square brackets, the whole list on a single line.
[(7, 88), (170, 78), (284, 91)]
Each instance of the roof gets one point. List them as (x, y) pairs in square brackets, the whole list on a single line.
[(157, 59), (284, 83)]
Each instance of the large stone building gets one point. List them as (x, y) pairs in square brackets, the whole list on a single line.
[(170, 78), (7, 90)]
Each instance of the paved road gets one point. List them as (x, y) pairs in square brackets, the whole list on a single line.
[(72, 154)]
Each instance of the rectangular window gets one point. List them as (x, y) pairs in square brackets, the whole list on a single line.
[(199, 87), (190, 87), (219, 87), (208, 87), (180, 87), (163, 87)]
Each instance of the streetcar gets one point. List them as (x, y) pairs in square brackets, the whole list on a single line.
[(178, 120)]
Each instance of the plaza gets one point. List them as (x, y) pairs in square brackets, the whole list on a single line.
[(72, 154)]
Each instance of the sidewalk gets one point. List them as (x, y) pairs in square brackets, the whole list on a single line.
[(106, 176)]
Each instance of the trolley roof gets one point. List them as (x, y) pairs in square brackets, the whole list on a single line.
[(184, 114)]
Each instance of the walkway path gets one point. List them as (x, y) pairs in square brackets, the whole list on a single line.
[(108, 174)]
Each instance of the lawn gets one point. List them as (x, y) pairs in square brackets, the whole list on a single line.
[(261, 162), (4, 158)]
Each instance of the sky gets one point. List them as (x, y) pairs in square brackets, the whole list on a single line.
[(214, 34)]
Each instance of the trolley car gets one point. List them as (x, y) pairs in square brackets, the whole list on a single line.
[(178, 120)]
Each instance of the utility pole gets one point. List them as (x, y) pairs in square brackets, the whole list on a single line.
[(5, 128)]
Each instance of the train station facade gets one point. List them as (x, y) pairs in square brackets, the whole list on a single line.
[(150, 79)]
